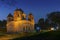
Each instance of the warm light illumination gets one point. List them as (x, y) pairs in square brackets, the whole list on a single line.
[(52, 28), (18, 24)]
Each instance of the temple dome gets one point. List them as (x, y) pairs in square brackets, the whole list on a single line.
[(19, 10), (10, 15)]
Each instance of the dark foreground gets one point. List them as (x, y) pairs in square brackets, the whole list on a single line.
[(52, 35)]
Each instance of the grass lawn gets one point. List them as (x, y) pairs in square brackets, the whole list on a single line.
[(51, 35)]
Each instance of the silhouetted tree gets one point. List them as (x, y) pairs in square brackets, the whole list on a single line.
[(54, 17), (41, 23), (4, 23), (47, 24), (1, 23)]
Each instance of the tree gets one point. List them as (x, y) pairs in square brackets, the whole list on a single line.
[(41, 23), (0, 23), (47, 24), (54, 17), (4, 23)]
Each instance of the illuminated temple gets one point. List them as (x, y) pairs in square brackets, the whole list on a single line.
[(19, 22)]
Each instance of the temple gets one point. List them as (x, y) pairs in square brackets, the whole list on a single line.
[(18, 22)]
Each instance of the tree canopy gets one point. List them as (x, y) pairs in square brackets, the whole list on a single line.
[(54, 17)]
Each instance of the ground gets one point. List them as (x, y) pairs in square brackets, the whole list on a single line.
[(42, 35), (5, 36), (51, 35)]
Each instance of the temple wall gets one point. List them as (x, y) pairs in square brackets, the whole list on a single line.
[(20, 26)]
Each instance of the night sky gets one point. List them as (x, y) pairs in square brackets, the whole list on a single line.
[(39, 8)]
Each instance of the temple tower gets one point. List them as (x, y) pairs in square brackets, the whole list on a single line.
[(9, 18), (18, 14), (31, 19), (23, 16)]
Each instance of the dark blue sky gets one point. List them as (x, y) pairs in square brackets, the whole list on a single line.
[(39, 8)]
